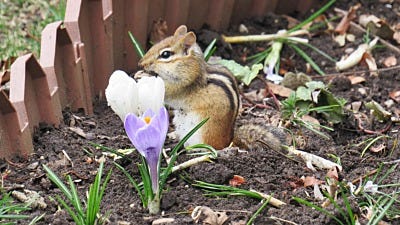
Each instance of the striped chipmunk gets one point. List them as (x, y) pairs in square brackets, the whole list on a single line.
[(197, 90)]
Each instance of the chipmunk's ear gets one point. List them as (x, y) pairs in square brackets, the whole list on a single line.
[(181, 30), (189, 39)]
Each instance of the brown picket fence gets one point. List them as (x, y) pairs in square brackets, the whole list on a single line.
[(79, 54)]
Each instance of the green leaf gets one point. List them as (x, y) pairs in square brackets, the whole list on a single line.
[(243, 73), (303, 93)]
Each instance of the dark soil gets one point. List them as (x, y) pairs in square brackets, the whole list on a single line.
[(264, 170)]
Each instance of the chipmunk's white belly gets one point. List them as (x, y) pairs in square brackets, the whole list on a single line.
[(185, 122)]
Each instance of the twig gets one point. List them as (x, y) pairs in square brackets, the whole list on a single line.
[(266, 37), (372, 172), (191, 162), (392, 162)]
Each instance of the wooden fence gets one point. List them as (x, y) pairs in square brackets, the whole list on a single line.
[(79, 54)]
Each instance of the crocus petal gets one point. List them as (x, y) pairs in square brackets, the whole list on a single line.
[(122, 94), (146, 138), (151, 93), (149, 113), (162, 122), (132, 125), (152, 157)]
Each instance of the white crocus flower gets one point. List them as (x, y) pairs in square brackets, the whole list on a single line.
[(125, 95)]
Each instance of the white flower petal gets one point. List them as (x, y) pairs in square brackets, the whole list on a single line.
[(122, 94), (151, 92)]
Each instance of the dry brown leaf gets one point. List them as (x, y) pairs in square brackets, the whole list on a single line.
[(333, 173), (279, 89), (390, 61), (356, 79), (376, 26), (370, 60), (205, 215), (311, 181), (395, 95), (344, 24), (237, 181), (396, 36)]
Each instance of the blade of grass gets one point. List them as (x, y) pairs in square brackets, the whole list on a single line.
[(78, 220), (75, 200), (164, 175), (313, 16), (136, 44), (322, 53), (307, 58), (254, 216), (209, 51), (133, 182), (54, 178), (320, 209)]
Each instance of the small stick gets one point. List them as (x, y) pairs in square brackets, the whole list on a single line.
[(191, 162), (355, 181), (266, 37)]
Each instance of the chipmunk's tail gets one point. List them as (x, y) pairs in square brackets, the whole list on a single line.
[(251, 136)]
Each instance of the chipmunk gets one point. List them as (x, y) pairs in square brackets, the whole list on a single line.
[(197, 90)]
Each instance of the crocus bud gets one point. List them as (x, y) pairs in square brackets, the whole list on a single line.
[(125, 95)]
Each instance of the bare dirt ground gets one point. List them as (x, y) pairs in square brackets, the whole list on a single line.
[(264, 170)]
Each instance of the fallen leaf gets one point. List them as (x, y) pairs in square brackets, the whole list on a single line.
[(207, 216), (356, 79), (395, 95), (390, 61), (333, 173), (344, 24), (376, 26), (311, 181), (370, 60), (237, 181), (340, 39), (82, 133), (279, 89)]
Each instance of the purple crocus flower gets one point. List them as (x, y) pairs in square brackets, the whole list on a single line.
[(147, 133)]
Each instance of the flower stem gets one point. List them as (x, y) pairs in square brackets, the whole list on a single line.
[(154, 205)]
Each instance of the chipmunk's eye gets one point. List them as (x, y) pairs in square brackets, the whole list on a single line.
[(166, 54)]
